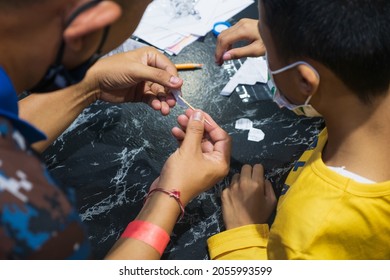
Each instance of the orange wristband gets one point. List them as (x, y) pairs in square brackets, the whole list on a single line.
[(149, 233)]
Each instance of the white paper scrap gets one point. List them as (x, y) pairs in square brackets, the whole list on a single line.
[(252, 71), (244, 124), (256, 135)]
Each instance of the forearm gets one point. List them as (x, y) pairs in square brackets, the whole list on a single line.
[(160, 210), (54, 112)]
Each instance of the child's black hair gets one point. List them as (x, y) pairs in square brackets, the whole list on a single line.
[(350, 37)]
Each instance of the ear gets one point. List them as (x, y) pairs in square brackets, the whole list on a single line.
[(309, 79), (94, 19)]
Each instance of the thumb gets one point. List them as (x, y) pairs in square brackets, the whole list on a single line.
[(194, 132), (156, 75)]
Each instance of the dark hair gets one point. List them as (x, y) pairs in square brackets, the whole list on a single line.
[(12, 4), (350, 37)]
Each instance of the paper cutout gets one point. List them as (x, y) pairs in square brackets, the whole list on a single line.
[(256, 135), (244, 124), (253, 70)]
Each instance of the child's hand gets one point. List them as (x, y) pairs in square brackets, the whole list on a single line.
[(250, 198), (244, 30)]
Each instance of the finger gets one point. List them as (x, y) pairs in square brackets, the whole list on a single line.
[(165, 109), (163, 94), (156, 75), (157, 89), (207, 146), (183, 120), (269, 191), (258, 173), (258, 176), (246, 175), (225, 197), (153, 102), (194, 132), (225, 40), (255, 49), (159, 60), (235, 180), (221, 47), (156, 98), (171, 101), (178, 134)]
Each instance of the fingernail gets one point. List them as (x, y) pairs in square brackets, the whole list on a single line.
[(175, 80), (197, 116), (227, 56)]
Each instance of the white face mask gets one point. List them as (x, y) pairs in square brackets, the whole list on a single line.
[(305, 109)]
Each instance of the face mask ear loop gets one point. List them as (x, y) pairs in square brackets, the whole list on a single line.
[(288, 67), (98, 53), (294, 65), (308, 100), (75, 14), (103, 40)]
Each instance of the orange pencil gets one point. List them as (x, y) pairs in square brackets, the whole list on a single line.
[(188, 66)]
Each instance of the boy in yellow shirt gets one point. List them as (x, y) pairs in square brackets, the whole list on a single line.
[(329, 59)]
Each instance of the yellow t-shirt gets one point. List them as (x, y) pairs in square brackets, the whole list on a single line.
[(320, 215)]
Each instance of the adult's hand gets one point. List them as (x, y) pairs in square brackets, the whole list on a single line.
[(202, 159), (142, 75), (244, 30)]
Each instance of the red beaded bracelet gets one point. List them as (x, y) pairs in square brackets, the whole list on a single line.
[(174, 194), (149, 233)]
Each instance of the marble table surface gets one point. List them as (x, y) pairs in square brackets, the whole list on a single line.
[(112, 153)]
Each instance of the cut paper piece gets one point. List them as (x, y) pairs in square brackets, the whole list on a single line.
[(244, 124), (253, 70), (256, 135), (176, 93)]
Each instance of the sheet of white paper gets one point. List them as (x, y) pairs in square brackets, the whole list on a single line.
[(233, 10), (163, 31), (252, 71), (210, 12), (256, 135), (244, 124)]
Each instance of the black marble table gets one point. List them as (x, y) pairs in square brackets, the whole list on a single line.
[(112, 153)]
